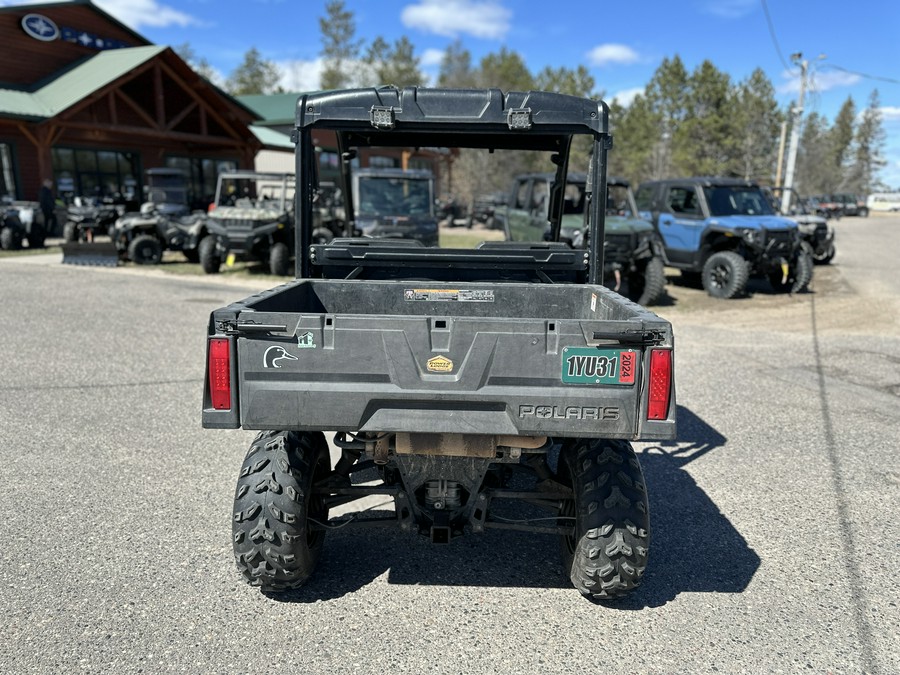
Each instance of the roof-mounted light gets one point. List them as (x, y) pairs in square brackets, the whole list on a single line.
[(519, 119), (382, 117)]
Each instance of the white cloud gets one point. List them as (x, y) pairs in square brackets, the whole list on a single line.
[(818, 81), (730, 9), (300, 75), (604, 55), (137, 14), (432, 57), (626, 97), (890, 113), (481, 19), (609, 53)]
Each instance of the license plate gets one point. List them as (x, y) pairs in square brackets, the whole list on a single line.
[(589, 365)]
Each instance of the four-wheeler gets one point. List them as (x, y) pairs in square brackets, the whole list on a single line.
[(252, 218), (86, 218), (632, 251), (18, 224), (164, 222), (724, 230), (394, 204), (817, 234), (496, 387)]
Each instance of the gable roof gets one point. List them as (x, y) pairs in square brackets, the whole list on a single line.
[(273, 109), (75, 84)]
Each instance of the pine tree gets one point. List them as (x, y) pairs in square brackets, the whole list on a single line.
[(397, 65), (456, 67), (868, 149), (255, 75), (340, 48), (757, 126)]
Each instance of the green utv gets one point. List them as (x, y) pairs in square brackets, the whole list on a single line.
[(489, 388), (632, 249)]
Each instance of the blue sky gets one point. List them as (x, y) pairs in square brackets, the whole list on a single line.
[(622, 43)]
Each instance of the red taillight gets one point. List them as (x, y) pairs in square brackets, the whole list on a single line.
[(220, 373), (660, 384)]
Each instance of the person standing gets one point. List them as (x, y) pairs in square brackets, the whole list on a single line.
[(48, 207)]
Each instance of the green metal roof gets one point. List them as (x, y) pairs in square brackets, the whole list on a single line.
[(74, 85), (271, 138), (272, 108)]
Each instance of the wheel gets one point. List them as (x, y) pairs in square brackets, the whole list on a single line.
[(321, 235), (36, 236), (863, 212), (606, 555), (209, 256), (70, 232), (278, 523), (10, 238), (799, 273), (824, 257), (145, 250), (725, 274), (279, 260), (647, 283)]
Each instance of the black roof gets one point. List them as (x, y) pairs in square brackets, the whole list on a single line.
[(483, 116)]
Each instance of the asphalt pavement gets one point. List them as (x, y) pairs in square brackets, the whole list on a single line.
[(776, 518)]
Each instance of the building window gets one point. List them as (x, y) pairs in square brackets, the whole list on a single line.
[(202, 176), (99, 174), (7, 176)]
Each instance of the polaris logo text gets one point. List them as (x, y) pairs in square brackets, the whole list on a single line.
[(569, 412)]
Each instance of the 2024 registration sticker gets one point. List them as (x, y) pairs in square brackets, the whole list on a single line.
[(589, 365)]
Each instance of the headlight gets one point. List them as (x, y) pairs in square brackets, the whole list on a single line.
[(750, 235)]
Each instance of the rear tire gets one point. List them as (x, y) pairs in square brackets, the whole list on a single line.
[(279, 260), (36, 236), (799, 273), (276, 546), (209, 256), (647, 284), (725, 274), (825, 257), (145, 250), (10, 239), (70, 232), (606, 556)]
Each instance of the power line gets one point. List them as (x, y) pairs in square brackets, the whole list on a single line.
[(868, 77), (772, 33)]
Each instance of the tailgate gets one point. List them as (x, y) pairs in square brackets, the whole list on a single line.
[(445, 374)]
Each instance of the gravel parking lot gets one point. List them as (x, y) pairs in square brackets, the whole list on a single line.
[(776, 518)]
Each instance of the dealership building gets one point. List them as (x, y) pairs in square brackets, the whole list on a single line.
[(90, 104)]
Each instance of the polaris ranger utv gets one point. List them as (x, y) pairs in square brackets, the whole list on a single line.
[(497, 387)]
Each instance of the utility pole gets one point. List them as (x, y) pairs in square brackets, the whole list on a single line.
[(797, 114)]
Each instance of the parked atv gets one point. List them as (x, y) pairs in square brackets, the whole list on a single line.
[(86, 218), (817, 234), (18, 224), (632, 250), (142, 237)]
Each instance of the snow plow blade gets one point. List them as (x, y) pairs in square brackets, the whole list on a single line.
[(103, 254)]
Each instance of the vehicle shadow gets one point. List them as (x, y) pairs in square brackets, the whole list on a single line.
[(695, 548)]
